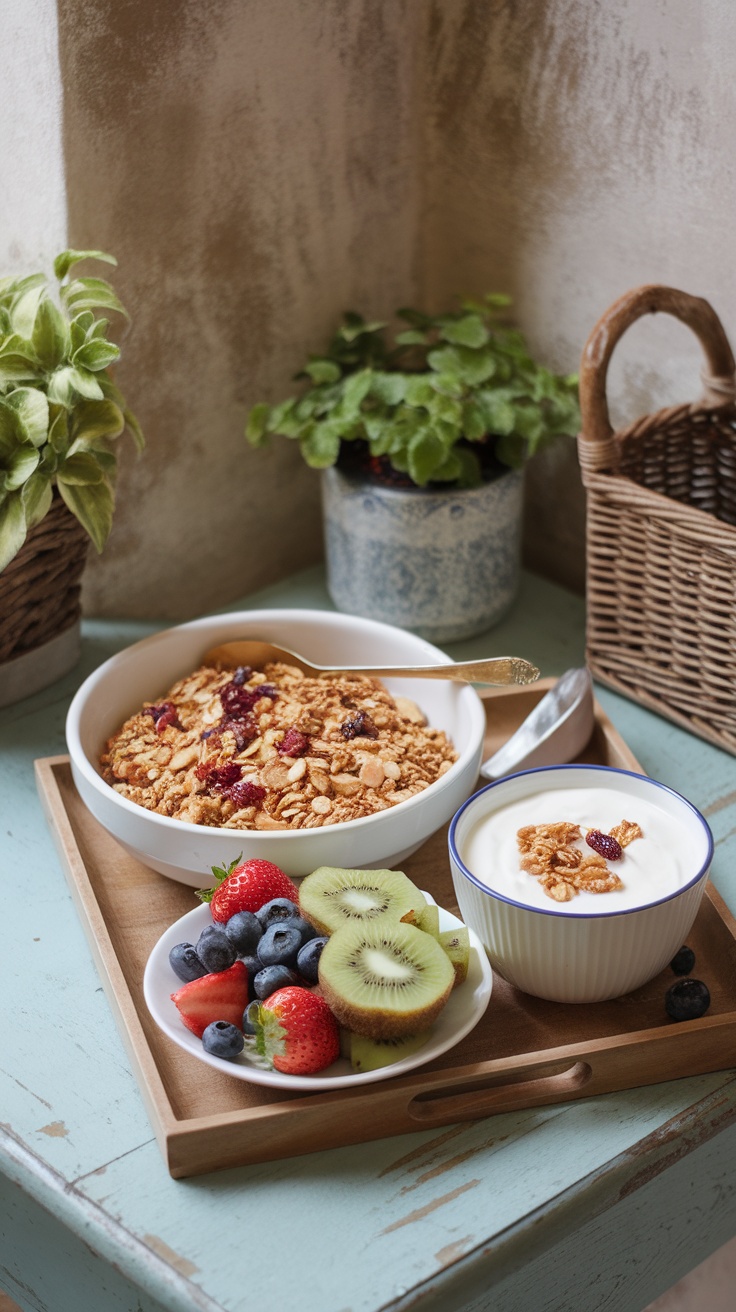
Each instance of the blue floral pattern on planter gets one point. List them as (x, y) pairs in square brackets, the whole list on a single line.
[(442, 564)]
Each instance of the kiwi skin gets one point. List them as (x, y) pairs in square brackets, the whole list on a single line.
[(372, 1054), (456, 943), (380, 1020), (426, 918)]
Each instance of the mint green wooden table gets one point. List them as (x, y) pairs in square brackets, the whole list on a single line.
[(598, 1205)]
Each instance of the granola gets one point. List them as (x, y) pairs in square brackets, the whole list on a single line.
[(275, 749), (549, 852)]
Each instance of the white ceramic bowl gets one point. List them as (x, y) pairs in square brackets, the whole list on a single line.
[(579, 957), (187, 851)]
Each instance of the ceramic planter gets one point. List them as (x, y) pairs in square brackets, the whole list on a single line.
[(442, 564)]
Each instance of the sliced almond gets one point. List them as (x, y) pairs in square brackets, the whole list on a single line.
[(322, 805), (408, 710), (346, 785), (180, 760), (372, 773), (297, 770)]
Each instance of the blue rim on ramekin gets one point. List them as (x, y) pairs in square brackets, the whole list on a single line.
[(578, 915)]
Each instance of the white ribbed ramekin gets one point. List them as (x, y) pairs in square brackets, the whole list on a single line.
[(577, 957)]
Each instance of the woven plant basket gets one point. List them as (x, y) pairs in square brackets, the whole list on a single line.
[(39, 589), (661, 530)]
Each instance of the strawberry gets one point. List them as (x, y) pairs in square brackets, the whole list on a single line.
[(295, 1031), (222, 995), (245, 886)]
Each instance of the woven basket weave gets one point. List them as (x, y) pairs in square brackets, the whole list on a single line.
[(661, 530), (39, 589)]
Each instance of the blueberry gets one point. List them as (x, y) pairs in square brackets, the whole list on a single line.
[(252, 965), (683, 961), (271, 978), (244, 930), (280, 945), (214, 948), (249, 1026), (185, 963), (306, 930), (279, 908), (308, 959), (687, 999), (222, 1039)]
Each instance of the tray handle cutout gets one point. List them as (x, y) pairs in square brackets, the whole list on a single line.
[(521, 1087)]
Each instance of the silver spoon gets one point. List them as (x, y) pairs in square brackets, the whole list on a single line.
[(498, 670), (555, 732)]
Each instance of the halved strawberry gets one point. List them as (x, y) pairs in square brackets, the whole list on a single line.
[(245, 886), (223, 995), (295, 1031)]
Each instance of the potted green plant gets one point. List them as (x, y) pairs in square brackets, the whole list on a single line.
[(60, 413), (422, 438)]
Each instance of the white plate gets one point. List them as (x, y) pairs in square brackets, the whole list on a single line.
[(461, 1014)]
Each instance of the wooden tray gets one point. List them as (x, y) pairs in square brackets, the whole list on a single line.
[(524, 1052)]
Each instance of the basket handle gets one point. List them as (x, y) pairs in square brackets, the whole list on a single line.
[(719, 381)]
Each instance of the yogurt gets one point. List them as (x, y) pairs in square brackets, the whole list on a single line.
[(667, 856)]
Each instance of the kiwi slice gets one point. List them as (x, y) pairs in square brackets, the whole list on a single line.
[(331, 896), (456, 943), (426, 918), (371, 1054), (384, 978)]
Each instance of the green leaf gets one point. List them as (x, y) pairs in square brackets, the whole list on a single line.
[(511, 450), (281, 419), (94, 419), (12, 528), (426, 454), (18, 362), (389, 388), (255, 428), (20, 466), (498, 300), (80, 470), (356, 387), (59, 433), (51, 336), (13, 287), (322, 371), (96, 355), (471, 367), (135, 430), (10, 434), (67, 259), (470, 330), (36, 497), (32, 409), (528, 423), (416, 318), (24, 310), (68, 382), (499, 414), (320, 446), (473, 421), (90, 294), (93, 506), (412, 337), (419, 391), (349, 332), (448, 385)]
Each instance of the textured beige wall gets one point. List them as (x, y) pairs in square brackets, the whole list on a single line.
[(258, 167), (252, 166), (577, 148)]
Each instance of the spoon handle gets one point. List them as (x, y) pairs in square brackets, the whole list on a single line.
[(499, 670)]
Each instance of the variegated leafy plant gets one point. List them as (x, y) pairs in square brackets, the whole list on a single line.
[(59, 408), (453, 399)]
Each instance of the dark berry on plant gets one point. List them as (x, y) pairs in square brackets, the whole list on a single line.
[(163, 715), (687, 999), (280, 945), (218, 778), (222, 1039), (243, 730), (293, 743), (683, 961), (605, 845), (214, 948), (185, 963), (244, 793), (307, 960), (244, 930), (360, 726), (238, 701), (279, 908), (271, 978)]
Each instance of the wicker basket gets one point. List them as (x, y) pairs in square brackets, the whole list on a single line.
[(661, 530), (39, 589)]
